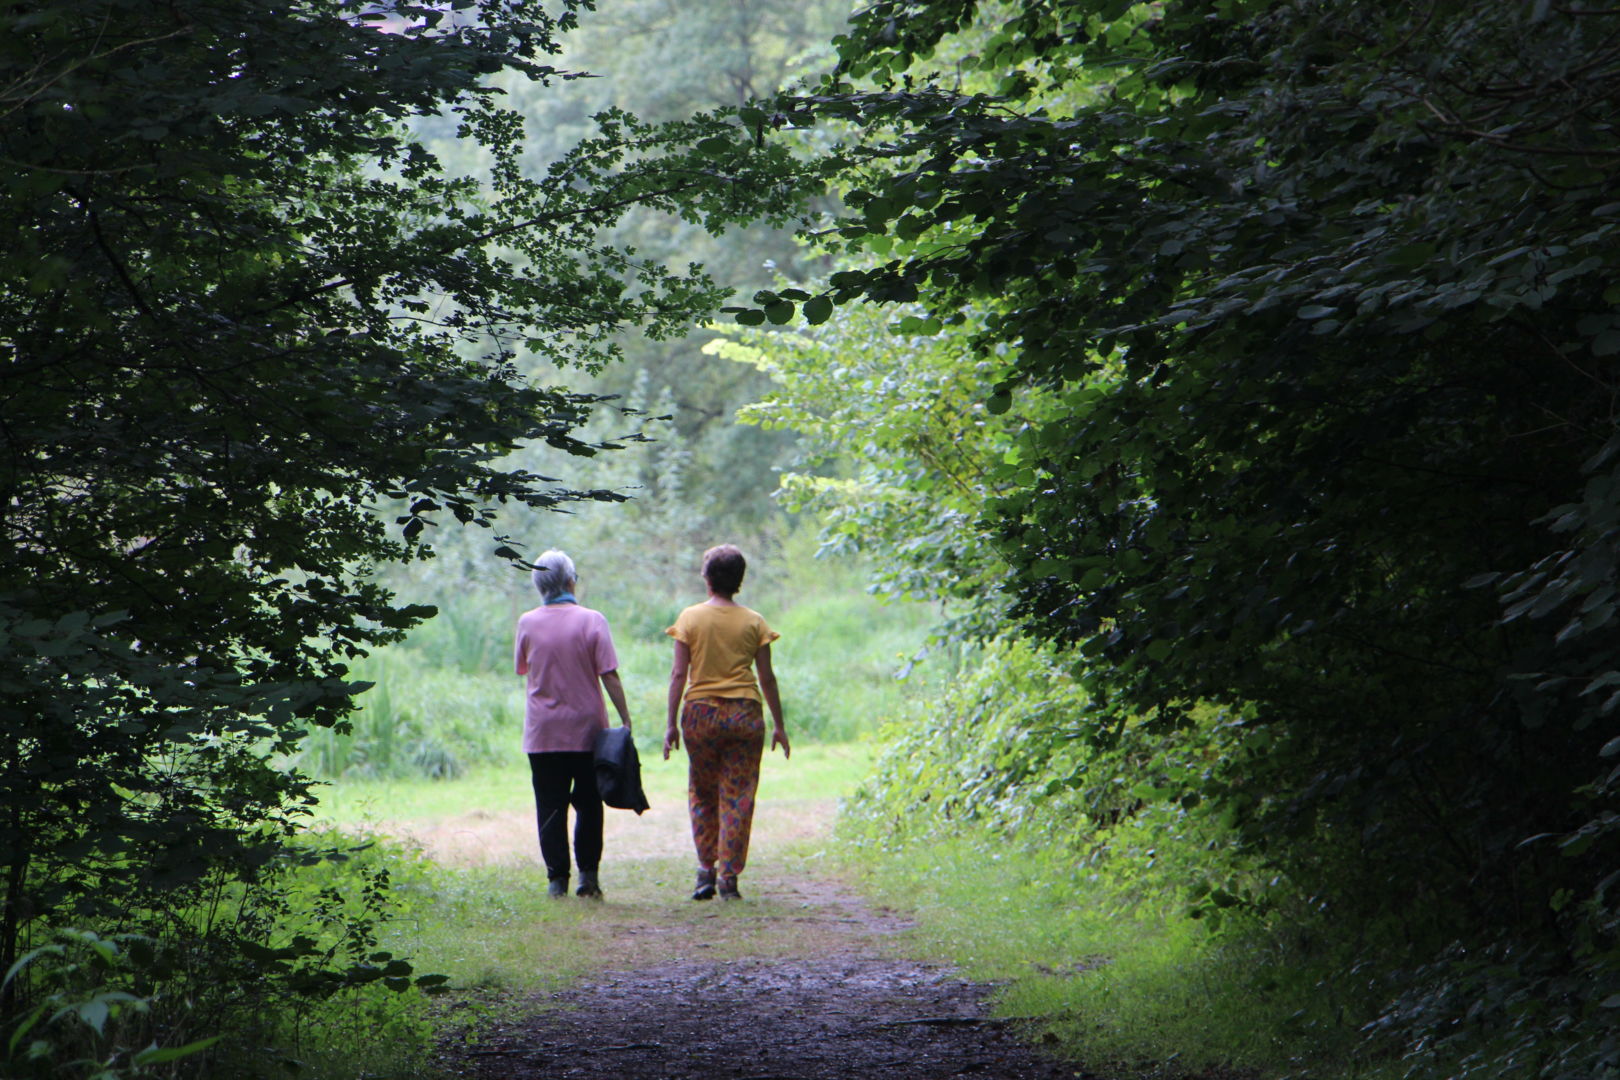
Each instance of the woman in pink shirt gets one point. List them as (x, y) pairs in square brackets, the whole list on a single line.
[(566, 652)]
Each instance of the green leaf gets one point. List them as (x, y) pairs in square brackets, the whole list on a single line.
[(156, 1055), (1411, 255), (818, 310), (93, 1013), (29, 957)]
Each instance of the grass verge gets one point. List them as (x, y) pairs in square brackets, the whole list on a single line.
[(1134, 991)]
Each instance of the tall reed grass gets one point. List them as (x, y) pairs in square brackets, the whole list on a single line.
[(446, 699)]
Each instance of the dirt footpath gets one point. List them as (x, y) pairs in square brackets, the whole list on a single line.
[(841, 1003)]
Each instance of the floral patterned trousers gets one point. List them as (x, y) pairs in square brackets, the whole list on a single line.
[(725, 738)]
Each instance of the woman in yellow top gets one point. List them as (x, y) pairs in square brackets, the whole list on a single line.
[(719, 644)]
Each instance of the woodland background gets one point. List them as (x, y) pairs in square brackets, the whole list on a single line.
[(1222, 393)]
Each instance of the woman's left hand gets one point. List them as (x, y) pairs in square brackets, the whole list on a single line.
[(779, 738)]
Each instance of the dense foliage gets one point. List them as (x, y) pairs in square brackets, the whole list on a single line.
[(897, 454), (242, 309), (1318, 304)]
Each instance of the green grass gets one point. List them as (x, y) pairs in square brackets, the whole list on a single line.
[(492, 929), (816, 772), (1135, 991)]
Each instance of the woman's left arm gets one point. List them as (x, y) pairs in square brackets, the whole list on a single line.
[(773, 699), (615, 692), (677, 689)]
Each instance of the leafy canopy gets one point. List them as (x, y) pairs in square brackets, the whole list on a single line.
[(1325, 296), (242, 310)]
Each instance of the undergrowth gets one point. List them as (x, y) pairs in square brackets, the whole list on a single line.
[(1128, 989), (285, 974), (1110, 907)]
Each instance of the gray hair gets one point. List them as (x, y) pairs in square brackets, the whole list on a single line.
[(554, 574)]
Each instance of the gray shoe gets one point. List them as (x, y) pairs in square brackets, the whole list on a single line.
[(588, 886), (728, 888), (557, 888)]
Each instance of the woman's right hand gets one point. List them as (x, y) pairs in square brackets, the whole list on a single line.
[(672, 741)]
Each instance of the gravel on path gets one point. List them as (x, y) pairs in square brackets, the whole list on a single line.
[(849, 1008)]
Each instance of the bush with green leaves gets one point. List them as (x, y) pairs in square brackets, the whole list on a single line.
[(1013, 745), (253, 979), (1083, 872), (1322, 298), (896, 451), (81, 1022), (245, 310)]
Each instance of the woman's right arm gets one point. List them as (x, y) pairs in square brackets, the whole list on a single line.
[(677, 687)]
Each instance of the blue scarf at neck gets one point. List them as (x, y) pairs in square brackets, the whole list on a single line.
[(561, 598)]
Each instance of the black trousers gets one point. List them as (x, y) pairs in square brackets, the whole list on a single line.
[(564, 778)]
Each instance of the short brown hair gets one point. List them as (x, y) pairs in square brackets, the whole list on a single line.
[(723, 568)]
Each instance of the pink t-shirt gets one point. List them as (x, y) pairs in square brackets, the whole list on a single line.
[(563, 649)]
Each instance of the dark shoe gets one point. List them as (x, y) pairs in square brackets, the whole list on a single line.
[(728, 888), (704, 889), (557, 888), (588, 886)]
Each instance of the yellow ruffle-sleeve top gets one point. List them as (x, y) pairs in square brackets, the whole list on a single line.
[(722, 642)]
